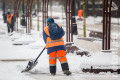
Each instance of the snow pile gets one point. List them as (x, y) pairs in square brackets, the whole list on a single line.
[(115, 36), (102, 60), (15, 36), (3, 27), (9, 51), (60, 21), (2, 32), (11, 73), (115, 20), (36, 45), (98, 19), (93, 20), (25, 39)]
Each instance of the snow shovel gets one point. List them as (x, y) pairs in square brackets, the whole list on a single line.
[(32, 63)]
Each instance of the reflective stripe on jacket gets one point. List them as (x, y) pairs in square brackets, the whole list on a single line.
[(52, 43), (9, 19)]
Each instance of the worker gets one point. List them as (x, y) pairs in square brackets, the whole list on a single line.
[(10, 22), (53, 37), (80, 14)]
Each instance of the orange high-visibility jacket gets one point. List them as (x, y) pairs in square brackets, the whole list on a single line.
[(80, 13), (9, 19), (52, 43)]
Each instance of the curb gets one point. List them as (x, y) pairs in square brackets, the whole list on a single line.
[(13, 60)]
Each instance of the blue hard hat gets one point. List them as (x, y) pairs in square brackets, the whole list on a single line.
[(50, 20)]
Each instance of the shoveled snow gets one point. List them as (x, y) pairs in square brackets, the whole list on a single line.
[(9, 71), (25, 39), (15, 36), (102, 60), (38, 44)]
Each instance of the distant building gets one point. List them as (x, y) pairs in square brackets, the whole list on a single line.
[(95, 8)]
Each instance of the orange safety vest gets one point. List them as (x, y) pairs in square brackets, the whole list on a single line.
[(9, 18), (80, 13), (52, 43)]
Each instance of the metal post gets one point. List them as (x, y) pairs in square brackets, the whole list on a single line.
[(106, 24), (72, 18), (15, 8), (38, 15), (103, 41), (69, 21), (51, 8), (109, 32), (28, 14), (47, 8), (45, 11), (27, 17), (66, 22), (74, 25), (4, 16), (23, 14), (16, 13)]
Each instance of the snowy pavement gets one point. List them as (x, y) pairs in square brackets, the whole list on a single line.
[(11, 70), (76, 76)]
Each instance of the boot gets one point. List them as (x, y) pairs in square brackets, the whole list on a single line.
[(53, 74), (67, 72), (65, 68), (53, 70)]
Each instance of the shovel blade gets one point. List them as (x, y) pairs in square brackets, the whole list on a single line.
[(31, 65)]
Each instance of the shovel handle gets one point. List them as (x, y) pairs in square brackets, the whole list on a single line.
[(39, 54)]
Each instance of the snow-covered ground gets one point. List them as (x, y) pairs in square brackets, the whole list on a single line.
[(11, 70), (32, 46)]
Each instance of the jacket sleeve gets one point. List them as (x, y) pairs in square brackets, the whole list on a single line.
[(44, 36)]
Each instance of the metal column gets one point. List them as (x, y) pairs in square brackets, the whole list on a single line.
[(74, 28), (4, 11), (44, 12), (23, 14), (16, 14), (106, 24), (28, 14), (69, 21)]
